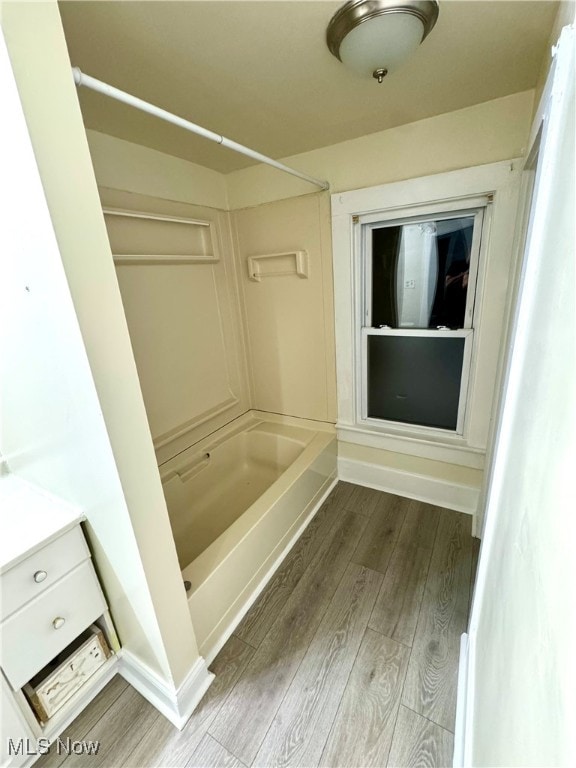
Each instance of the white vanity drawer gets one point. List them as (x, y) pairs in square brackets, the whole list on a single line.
[(32, 636), (29, 578)]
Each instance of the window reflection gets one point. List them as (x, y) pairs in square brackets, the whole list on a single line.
[(420, 273)]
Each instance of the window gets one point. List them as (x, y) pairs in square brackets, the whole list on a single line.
[(418, 278), (488, 194)]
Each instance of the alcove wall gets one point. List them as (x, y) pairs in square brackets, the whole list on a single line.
[(177, 276), (289, 318), (287, 325)]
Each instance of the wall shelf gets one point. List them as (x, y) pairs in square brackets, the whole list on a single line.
[(278, 265), (154, 217), (126, 259), (143, 238)]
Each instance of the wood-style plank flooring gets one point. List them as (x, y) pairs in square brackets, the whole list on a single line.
[(348, 658)]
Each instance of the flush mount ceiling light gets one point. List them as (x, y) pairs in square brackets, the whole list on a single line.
[(373, 37)]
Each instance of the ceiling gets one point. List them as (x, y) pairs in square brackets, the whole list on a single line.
[(259, 71)]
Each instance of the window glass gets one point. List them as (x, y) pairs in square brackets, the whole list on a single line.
[(415, 380), (420, 273)]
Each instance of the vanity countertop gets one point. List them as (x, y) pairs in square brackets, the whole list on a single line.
[(30, 518)]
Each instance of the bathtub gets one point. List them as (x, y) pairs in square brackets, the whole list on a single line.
[(238, 501)]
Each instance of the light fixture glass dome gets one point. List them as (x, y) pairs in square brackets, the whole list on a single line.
[(374, 37), (382, 43)]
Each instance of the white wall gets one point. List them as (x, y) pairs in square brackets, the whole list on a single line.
[(565, 15), (52, 432), (521, 705), (63, 400)]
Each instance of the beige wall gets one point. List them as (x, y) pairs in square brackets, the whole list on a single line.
[(162, 634), (485, 133), (120, 164), (288, 322), (279, 331), (479, 135), (288, 319), (183, 316)]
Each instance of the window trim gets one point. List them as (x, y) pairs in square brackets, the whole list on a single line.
[(362, 256), (496, 183)]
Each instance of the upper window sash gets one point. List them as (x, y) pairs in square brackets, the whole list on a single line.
[(432, 213)]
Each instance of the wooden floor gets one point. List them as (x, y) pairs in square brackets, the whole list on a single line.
[(348, 658)]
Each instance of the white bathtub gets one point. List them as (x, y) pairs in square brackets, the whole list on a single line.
[(237, 502)]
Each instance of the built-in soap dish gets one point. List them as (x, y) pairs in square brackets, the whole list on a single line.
[(291, 263)]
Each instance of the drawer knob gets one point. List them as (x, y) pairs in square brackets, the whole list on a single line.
[(58, 622), (39, 576)]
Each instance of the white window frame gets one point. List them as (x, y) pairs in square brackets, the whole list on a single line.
[(477, 208), (494, 185)]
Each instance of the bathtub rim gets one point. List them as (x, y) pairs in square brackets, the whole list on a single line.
[(216, 554), (247, 421)]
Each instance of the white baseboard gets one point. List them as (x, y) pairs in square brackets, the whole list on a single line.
[(461, 498), (461, 704), (216, 640), (176, 704)]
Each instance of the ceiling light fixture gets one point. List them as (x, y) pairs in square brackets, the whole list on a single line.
[(373, 37)]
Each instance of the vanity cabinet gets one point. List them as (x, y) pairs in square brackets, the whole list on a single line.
[(50, 596)]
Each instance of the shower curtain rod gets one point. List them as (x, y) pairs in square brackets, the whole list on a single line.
[(82, 79)]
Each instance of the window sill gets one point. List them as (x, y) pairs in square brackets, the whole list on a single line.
[(437, 445)]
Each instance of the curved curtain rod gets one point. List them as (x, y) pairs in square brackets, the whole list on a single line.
[(82, 79)]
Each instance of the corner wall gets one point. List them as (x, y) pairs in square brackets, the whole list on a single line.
[(123, 165), (287, 327), (183, 314), (479, 135), (126, 511), (289, 319)]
